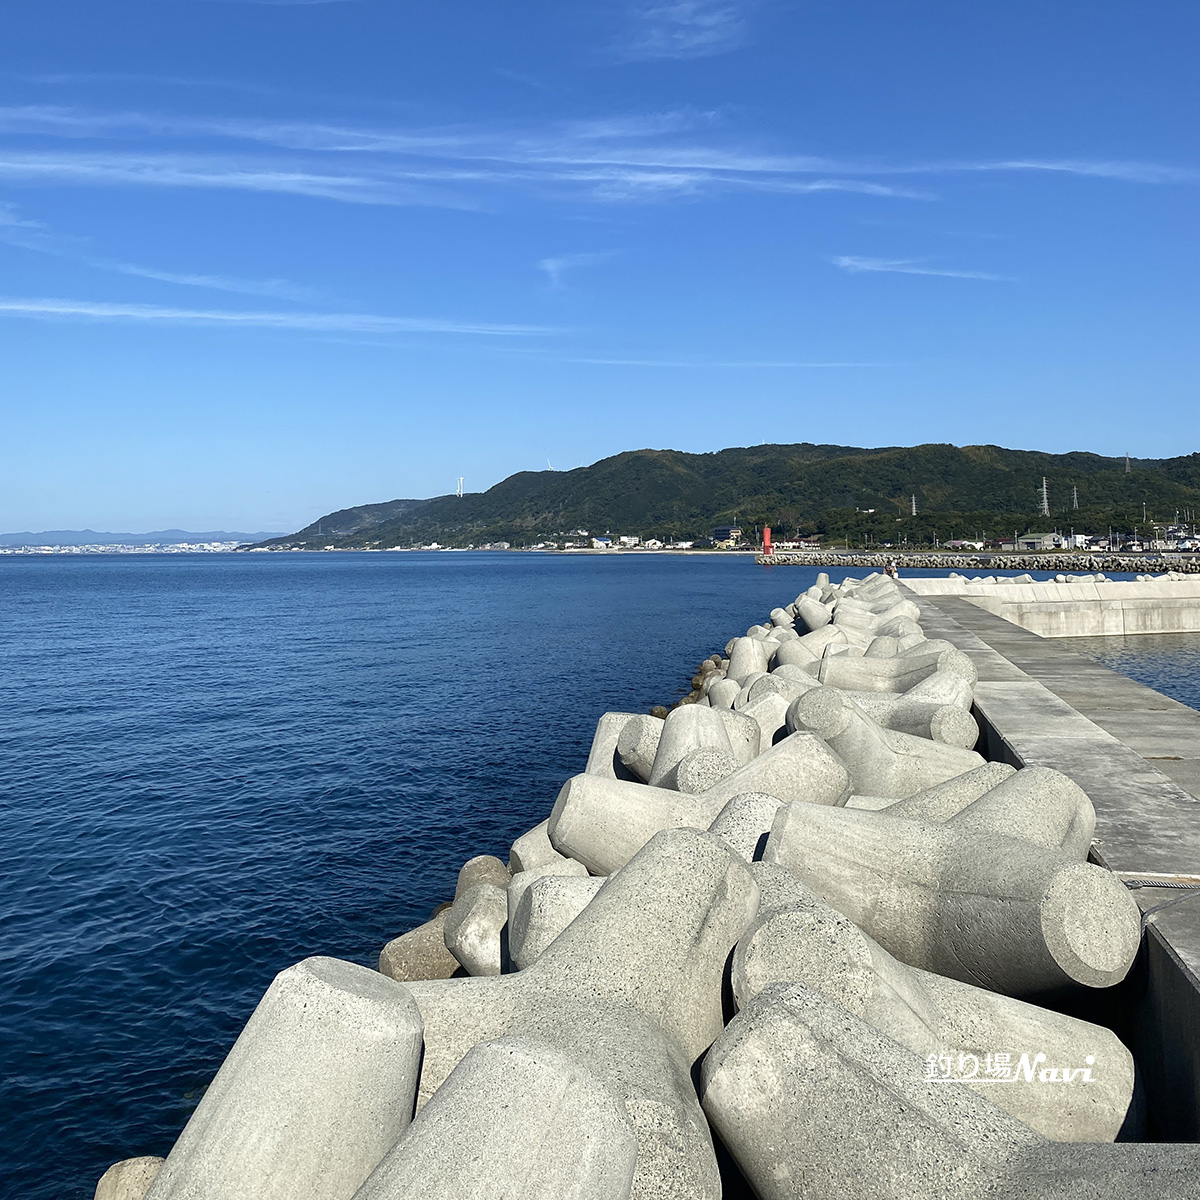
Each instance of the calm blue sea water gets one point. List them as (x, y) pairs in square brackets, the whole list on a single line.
[(1169, 663), (213, 766)]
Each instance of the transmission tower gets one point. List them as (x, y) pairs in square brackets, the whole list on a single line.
[(1074, 497), (458, 491), (914, 504), (1127, 470), (1044, 498)]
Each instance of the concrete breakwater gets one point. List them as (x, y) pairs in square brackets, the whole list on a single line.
[(801, 915), (877, 561), (1079, 606)]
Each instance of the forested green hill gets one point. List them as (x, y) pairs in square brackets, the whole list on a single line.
[(960, 491)]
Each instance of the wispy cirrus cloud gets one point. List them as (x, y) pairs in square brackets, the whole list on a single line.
[(909, 266), (51, 309), (1131, 172), (686, 29), (646, 158), (556, 266), (278, 3), (212, 172), (720, 364), (16, 230)]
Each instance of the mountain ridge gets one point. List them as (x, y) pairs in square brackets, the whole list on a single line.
[(92, 537), (807, 488)]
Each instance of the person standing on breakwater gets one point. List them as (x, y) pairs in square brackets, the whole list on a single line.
[(891, 570)]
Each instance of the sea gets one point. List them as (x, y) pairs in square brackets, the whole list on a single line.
[(215, 765)]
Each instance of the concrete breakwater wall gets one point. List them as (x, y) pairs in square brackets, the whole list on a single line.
[(1091, 606), (1183, 563), (800, 918)]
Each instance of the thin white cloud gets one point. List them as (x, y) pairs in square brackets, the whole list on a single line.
[(278, 3), (686, 29), (16, 230), (19, 231), (908, 266), (1131, 172), (523, 79), (280, 289), (195, 171), (102, 77), (554, 267), (656, 156), (727, 365), (47, 309)]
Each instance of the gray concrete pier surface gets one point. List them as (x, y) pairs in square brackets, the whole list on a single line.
[(901, 901)]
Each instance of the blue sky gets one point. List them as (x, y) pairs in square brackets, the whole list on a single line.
[(261, 260)]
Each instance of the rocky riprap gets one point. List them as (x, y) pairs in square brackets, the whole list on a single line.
[(1184, 564)]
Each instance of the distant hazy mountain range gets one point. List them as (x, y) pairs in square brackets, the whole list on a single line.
[(836, 491), (90, 537)]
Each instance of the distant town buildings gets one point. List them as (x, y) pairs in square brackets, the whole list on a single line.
[(122, 548)]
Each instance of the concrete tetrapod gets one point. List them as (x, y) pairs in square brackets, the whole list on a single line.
[(812, 613), (944, 800), (882, 647), (1038, 804), (315, 1091), (813, 1102), (602, 758), (129, 1179), (900, 627), (545, 909), (516, 1118), (770, 715), (474, 928), (420, 954), (806, 941), (892, 1133), (795, 653), (747, 655), (533, 849), (745, 735), (632, 989), (638, 744), (892, 674), (947, 723), (687, 728), (799, 767), (743, 697), (881, 762), (603, 823), (927, 647), (995, 911), (787, 681), (723, 693), (818, 642), (745, 823), (942, 687), (484, 868), (701, 769), (523, 880), (781, 619)]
